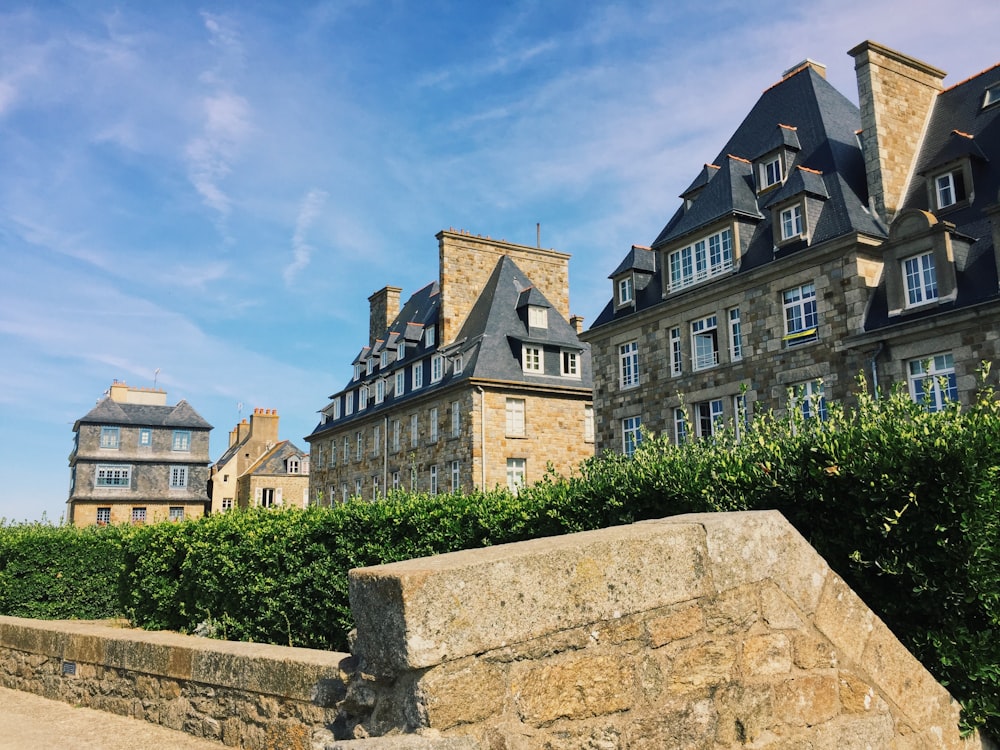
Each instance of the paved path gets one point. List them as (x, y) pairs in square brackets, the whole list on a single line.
[(29, 722)]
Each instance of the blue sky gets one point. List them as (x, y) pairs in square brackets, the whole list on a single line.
[(212, 190)]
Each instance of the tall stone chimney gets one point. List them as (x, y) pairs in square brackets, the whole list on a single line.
[(468, 260), (383, 308), (264, 426), (896, 94)]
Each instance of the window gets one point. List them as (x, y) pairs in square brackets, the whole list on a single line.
[(626, 290), (227, 503), (418, 375), (516, 474), (413, 479), (801, 319), (588, 423), (181, 440), (434, 479), (921, 279), (138, 515), (266, 497), (110, 437), (114, 475), (741, 415), (395, 480), (459, 364), (735, 335), (363, 398), (178, 477), (145, 437), (429, 336), (705, 343), (770, 172), (531, 358), (709, 417), (359, 441), (414, 435), (809, 399), (336, 408), (347, 448), (455, 474), (376, 439), (333, 453), (631, 434), (456, 419), (515, 417), (349, 402), (401, 350), (437, 368), (791, 222), (103, 516), (680, 425), (397, 429), (992, 96), (384, 358), (319, 456), (702, 260), (676, 365), (949, 188), (538, 317), (434, 425), (376, 487), (357, 370), (400, 382), (570, 364), (344, 494), (379, 391), (357, 488), (176, 513), (932, 381), (369, 367), (628, 357)]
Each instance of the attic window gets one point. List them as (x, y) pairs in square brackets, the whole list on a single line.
[(370, 366), (992, 96), (770, 172), (538, 317), (293, 466), (626, 290), (384, 359), (429, 336), (949, 188), (357, 371)]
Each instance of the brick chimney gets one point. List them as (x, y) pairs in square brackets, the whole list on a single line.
[(383, 308), (896, 94)]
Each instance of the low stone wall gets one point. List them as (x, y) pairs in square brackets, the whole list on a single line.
[(241, 694), (702, 631), (714, 632)]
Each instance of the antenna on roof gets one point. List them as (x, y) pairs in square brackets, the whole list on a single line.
[(239, 411), (156, 374), (538, 234)]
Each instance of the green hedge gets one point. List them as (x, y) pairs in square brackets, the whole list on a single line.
[(902, 503)]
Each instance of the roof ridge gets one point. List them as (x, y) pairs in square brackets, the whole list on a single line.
[(970, 78)]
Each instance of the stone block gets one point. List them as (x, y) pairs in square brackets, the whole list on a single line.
[(843, 618), (808, 700), (766, 655), (574, 687), (462, 693)]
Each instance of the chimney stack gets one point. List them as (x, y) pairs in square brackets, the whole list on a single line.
[(383, 308), (896, 93)]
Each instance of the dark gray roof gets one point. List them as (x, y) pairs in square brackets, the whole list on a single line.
[(959, 127), (273, 462), (639, 258), (816, 124), (110, 412)]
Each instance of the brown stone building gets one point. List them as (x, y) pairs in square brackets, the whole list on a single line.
[(478, 380), (257, 468), (821, 242), (136, 459)]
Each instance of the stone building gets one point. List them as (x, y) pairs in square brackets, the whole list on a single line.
[(137, 459), (258, 468), (786, 269), (478, 380)]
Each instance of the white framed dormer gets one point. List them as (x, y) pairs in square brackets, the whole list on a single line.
[(703, 258), (538, 316), (369, 365), (531, 359), (951, 186), (991, 97), (429, 336), (770, 171), (625, 290), (920, 262)]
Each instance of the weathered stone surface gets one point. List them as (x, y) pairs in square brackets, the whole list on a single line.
[(407, 742), (529, 589), (574, 687), (470, 691)]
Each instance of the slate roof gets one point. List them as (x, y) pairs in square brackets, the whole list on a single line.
[(110, 412), (959, 127), (273, 461), (816, 124), (489, 340), (639, 258)]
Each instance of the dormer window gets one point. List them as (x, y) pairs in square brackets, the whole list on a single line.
[(949, 188), (705, 258), (379, 391), (336, 409), (992, 96), (921, 279), (357, 370), (348, 403), (400, 351), (429, 336), (363, 398), (292, 467), (771, 172), (531, 359), (437, 368), (370, 366), (538, 317), (459, 364), (384, 359), (626, 290), (790, 220)]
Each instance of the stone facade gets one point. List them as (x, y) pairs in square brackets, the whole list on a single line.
[(442, 398), (138, 460)]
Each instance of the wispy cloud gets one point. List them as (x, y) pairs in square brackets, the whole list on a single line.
[(301, 249)]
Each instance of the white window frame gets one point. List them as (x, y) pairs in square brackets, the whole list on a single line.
[(357, 371), (359, 442), (433, 420), (676, 352), (771, 172), (709, 416), (458, 364), (433, 485), (347, 449), (456, 473), (531, 358), (362, 398), (628, 364), (626, 290), (358, 487), (680, 425), (934, 368), (369, 365), (517, 474), (418, 375), (384, 358), (395, 480), (792, 222), (538, 316), (456, 419), (414, 430), (397, 431), (920, 279), (348, 403), (705, 333), (631, 434), (138, 514), (946, 188), (400, 351), (437, 368), (800, 308), (400, 382), (176, 513), (588, 423), (376, 487), (809, 398), (379, 391), (569, 363), (103, 516), (376, 439), (429, 336), (514, 417), (701, 260), (735, 335)]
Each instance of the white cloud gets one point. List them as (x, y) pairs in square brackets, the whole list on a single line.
[(302, 251)]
